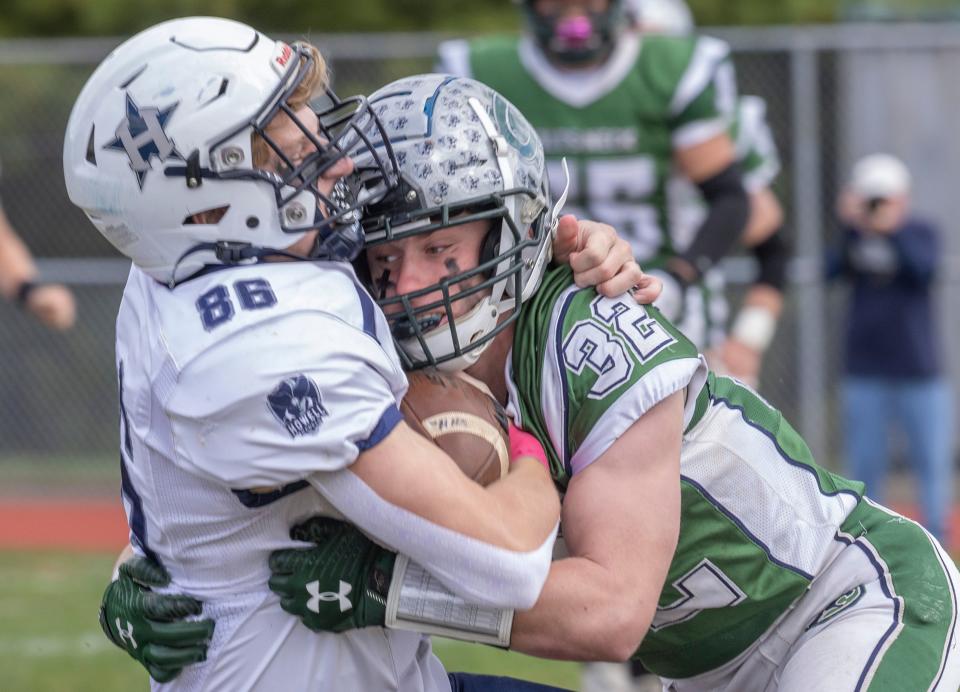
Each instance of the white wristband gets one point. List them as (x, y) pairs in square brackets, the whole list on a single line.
[(419, 602), (754, 327)]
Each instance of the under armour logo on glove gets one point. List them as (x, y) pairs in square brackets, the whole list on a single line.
[(126, 634), (314, 603)]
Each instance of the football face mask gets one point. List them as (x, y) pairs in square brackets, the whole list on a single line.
[(467, 158), (192, 145)]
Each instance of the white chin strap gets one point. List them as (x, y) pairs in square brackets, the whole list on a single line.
[(476, 324)]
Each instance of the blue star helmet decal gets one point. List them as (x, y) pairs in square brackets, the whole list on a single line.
[(141, 136)]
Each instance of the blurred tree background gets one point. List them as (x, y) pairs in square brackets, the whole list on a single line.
[(22, 18)]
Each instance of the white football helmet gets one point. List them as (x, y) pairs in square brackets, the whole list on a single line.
[(464, 153), (661, 16), (161, 135)]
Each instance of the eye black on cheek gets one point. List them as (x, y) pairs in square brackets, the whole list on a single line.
[(452, 266)]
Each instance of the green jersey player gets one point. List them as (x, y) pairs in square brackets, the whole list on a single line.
[(705, 317), (627, 111), (702, 538)]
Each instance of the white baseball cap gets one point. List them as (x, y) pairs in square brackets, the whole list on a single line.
[(880, 175)]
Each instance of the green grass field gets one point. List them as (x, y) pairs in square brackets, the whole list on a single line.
[(50, 639)]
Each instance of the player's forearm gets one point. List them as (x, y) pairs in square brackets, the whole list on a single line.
[(516, 513), (16, 264), (475, 570), (766, 297), (585, 613), (766, 217), (528, 502)]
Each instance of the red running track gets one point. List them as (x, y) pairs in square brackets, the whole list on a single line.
[(100, 525)]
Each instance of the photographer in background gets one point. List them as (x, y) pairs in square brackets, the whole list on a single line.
[(893, 375)]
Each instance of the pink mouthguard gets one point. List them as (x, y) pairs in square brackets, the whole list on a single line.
[(574, 29)]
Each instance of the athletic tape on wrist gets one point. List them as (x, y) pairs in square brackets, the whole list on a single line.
[(754, 327), (418, 602)]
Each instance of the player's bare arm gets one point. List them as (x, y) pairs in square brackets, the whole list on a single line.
[(16, 264), (704, 160), (712, 166), (766, 217), (755, 325), (518, 513), (52, 304), (621, 519)]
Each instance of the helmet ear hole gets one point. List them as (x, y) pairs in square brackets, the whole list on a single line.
[(490, 247), (209, 217)]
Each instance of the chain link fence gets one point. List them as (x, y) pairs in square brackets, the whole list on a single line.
[(833, 94)]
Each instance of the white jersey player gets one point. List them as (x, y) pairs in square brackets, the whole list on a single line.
[(191, 148)]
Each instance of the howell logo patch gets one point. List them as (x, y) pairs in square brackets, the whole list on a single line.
[(295, 402)]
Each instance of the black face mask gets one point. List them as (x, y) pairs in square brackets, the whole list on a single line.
[(343, 240), (577, 40)]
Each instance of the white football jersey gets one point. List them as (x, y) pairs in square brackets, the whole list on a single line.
[(236, 387)]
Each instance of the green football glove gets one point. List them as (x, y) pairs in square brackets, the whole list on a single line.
[(150, 626), (340, 584)]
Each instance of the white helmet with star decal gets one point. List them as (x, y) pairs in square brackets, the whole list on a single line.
[(164, 145), (464, 153)]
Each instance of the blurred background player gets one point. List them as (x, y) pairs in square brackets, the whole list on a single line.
[(705, 321), (894, 380), (52, 304), (629, 112)]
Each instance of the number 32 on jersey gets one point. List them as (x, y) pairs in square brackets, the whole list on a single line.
[(612, 342)]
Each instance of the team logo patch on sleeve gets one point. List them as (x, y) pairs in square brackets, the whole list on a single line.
[(295, 402), (838, 606)]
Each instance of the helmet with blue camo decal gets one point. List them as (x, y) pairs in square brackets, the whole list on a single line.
[(464, 154), (172, 149)]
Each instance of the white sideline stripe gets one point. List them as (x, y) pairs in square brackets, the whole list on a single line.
[(87, 644)]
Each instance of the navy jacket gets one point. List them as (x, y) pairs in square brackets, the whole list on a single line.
[(890, 327)]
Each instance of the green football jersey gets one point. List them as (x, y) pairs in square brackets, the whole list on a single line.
[(617, 125), (759, 518)]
